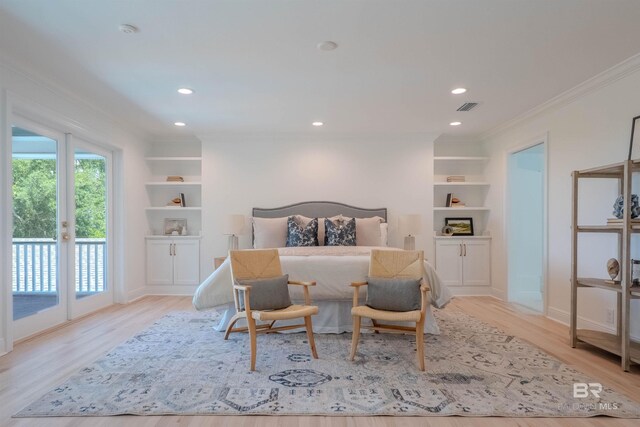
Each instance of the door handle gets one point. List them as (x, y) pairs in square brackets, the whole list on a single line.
[(65, 236), (170, 249), (174, 249), (465, 249), (460, 254)]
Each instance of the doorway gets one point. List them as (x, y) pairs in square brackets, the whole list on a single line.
[(526, 226), (61, 227)]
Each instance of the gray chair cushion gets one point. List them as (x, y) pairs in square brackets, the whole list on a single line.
[(266, 294), (393, 294)]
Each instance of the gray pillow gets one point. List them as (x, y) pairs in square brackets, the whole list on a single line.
[(266, 294), (393, 294)]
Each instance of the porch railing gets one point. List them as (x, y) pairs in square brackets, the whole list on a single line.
[(35, 262)]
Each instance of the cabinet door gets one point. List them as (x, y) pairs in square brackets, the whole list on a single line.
[(159, 262), (477, 263), (186, 262), (449, 261)]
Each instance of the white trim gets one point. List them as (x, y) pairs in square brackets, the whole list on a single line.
[(136, 295), (607, 77), (471, 291), (499, 294), (531, 142), (563, 317)]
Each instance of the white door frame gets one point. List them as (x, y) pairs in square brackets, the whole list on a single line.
[(89, 303), (57, 314), (12, 105), (531, 142)]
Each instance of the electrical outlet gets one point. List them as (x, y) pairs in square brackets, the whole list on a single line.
[(610, 316)]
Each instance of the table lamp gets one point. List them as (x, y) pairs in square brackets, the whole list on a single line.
[(233, 225), (410, 226)]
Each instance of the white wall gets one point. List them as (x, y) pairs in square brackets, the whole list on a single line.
[(240, 172), (590, 131), (21, 88)]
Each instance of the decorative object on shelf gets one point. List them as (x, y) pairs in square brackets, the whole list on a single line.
[(233, 226), (456, 203), (618, 206), (461, 226), (410, 225), (175, 178), (448, 203), (456, 178), (633, 129), (635, 272), (447, 230), (613, 268), (175, 226), (183, 203), (177, 202)]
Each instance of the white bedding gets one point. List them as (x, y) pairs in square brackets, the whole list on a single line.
[(333, 268)]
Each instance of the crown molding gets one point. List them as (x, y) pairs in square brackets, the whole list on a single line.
[(599, 81), (313, 136), (46, 83)]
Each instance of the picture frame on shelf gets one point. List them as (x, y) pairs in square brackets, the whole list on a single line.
[(175, 226), (461, 226)]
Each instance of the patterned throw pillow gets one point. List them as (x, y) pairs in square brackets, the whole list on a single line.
[(340, 233), (299, 235)]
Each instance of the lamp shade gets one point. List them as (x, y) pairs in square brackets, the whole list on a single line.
[(233, 224), (410, 224)]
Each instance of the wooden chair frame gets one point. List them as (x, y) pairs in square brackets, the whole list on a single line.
[(271, 316), (380, 315)]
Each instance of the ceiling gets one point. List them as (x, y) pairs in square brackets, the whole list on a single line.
[(255, 67)]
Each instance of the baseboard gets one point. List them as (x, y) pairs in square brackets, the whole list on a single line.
[(564, 317), (136, 294), (3, 346), (499, 294), (187, 290), (467, 291)]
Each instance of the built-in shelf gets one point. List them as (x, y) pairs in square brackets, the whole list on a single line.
[(461, 184), (171, 208), (173, 184), (173, 159), (466, 208), (460, 158), (609, 342)]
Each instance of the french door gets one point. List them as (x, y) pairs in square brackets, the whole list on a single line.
[(61, 227)]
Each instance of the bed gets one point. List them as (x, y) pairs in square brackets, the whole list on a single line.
[(332, 267)]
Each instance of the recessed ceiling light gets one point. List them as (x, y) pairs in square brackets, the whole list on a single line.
[(185, 91), (327, 45), (455, 123), (317, 123), (180, 124), (458, 91), (129, 29)]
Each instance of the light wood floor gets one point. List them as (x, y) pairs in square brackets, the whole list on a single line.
[(41, 363)]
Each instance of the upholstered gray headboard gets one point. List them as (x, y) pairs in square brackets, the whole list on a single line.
[(319, 210)]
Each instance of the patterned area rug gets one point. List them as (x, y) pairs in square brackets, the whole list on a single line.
[(180, 365)]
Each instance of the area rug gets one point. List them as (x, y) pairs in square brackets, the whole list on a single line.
[(180, 365)]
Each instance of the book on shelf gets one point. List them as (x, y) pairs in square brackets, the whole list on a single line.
[(182, 201), (448, 203), (175, 178), (456, 178)]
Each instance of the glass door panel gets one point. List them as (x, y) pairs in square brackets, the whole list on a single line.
[(36, 250), (91, 202)]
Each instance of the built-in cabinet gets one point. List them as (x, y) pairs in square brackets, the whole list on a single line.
[(464, 261), (620, 342), (173, 261)]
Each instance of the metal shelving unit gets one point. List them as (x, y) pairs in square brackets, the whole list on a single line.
[(620, 342)]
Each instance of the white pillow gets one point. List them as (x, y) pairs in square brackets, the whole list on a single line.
[(368, 231), (269, 232), (384, 234)]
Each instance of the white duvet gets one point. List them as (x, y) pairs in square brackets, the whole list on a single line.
[(333, 268)]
